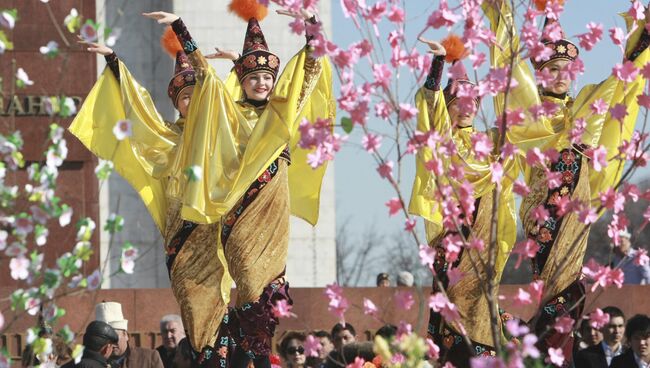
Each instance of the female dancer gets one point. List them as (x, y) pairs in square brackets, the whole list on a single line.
[(441, 114), (227, 171), (572, 130)]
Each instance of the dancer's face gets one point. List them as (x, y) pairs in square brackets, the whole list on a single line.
[(460, 119), (183, 100), (559, 85), (258, 85)]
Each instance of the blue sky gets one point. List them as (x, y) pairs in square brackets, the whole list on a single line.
[(360, 194)]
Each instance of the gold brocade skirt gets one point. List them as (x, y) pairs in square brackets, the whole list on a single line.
[(256, 249), (566, 256), (256, 253), (467, 294), (195, 278)]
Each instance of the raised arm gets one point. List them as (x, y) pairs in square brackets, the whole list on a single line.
[(107, 52), (199, 63)]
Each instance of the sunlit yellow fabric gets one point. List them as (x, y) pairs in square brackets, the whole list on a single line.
[(142, 159), (433, 115), (553, 132), (614, 133), (304, 182), (234, 145)]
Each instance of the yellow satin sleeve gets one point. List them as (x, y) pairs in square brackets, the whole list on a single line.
[(142, 159), (614, 133), (422, 201), (304, 182), (433, 115)]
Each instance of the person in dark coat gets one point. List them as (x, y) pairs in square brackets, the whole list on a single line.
[(601, 355), (124, 354), (172, 332), (98, 341), (637, 333)]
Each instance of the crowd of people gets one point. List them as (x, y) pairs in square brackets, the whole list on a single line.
[(619, 343)]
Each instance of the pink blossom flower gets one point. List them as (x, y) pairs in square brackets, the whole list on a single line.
[(617, 36), (297, 26), (613, 200), (363, 47), (637, 10), (435, 166), (282, 309), (396, 15), (564, 324), (443, 17), (598, 318), (540, 214), (123, 129), (374, 13), (88, 32), (599, 106), (520, 188), (544, 77), (385, 170), (587, 215), (598, 157), (427, 255), (522, 298), (641, 257), (454, 275), (358, 363), (382, 75), (371, 142), (369, 308), (404, 299), (515, 328), (94, 280), (404, 329), (433, 350), (555, 356), (516, 117), (528, 346), (477, 59), (19, 267), (527, 248), (539, 52), (407, 112), (394, 206), (602, 276), (626, 72), (553, 31), (409, 224), (312, 346), (452, 245), (535, 157), (383, 109), (536, 289), (590, 39), (643, 100), (338, 304), (22, 79), (496, 173), (482, 144), (440, 303)]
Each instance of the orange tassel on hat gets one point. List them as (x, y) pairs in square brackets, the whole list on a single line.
[(170, 43), (541, 4), (455, 48), (247, 9)]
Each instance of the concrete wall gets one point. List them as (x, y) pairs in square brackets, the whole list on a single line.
[(312, 260)]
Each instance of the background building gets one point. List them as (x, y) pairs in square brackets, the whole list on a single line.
[(312, 250)]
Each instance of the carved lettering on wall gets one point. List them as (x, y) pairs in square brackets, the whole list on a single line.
[(23, 106)]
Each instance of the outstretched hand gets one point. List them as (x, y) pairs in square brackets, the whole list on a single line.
[(436, 47), (95, 47), (303, 14), (223, 54), (162, 17)]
